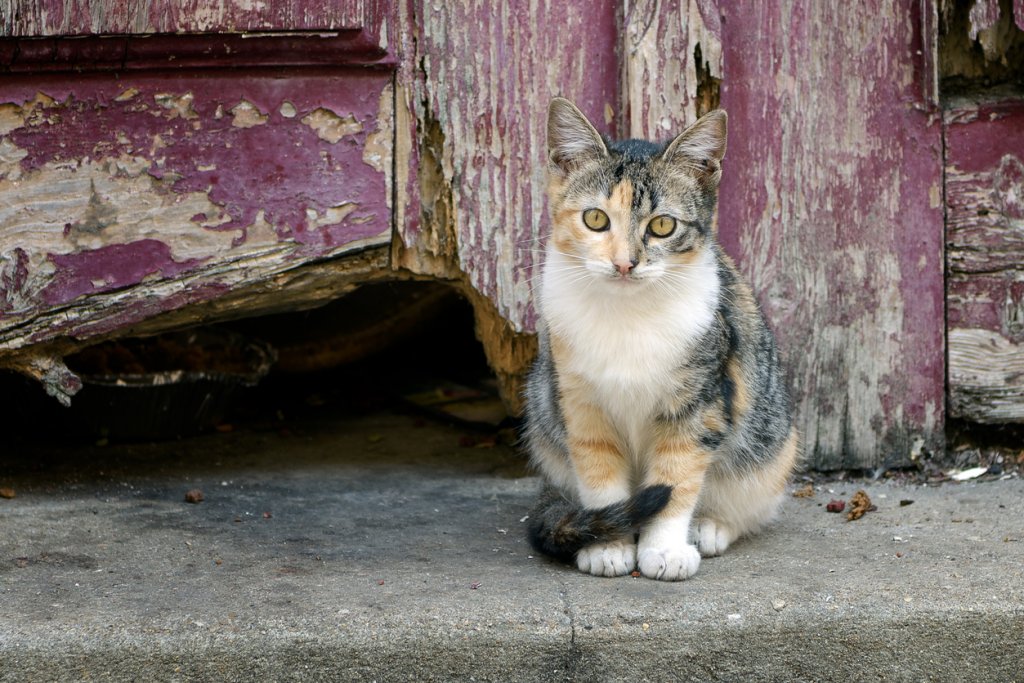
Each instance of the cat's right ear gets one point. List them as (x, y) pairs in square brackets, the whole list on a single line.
[(572, 140)]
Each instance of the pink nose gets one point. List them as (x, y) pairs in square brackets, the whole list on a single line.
[(624, 266)]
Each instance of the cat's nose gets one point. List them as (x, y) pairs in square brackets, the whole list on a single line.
[(624, 266)]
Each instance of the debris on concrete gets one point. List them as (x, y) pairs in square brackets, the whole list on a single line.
[(859, 505), (7, 493), (807, 491), (836, 505), (965, 475), (194, 496)]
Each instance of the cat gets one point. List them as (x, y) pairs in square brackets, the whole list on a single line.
[(656, 409)]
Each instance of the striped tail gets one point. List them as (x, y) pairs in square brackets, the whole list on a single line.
[(561, 528)]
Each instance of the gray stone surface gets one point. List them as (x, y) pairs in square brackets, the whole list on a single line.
[(376, 548)]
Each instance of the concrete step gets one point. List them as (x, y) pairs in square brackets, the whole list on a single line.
[(379, 548)]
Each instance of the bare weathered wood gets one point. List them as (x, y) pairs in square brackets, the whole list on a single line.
[(831, 200), (986, 376), (672, 65), (985, 259)]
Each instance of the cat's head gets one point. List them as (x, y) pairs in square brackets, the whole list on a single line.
[(632, 212)]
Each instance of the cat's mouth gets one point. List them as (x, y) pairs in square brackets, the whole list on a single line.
[(625, 280)]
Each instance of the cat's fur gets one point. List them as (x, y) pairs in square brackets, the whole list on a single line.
[(656, 405)]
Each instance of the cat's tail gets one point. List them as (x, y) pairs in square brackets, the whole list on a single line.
[(560, 528)]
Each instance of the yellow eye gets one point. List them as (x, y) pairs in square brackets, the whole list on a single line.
[(662, 226), (595, 219)]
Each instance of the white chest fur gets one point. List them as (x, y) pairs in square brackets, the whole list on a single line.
[(626, 339)]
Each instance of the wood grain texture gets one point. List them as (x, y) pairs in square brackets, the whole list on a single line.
[(985, 259), (986, 376), (982, 42), (831, 200), (672, 65)]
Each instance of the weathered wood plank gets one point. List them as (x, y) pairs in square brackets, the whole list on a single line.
[(87, 17), (672, 65), (480, 100), (122, 198), (985, 259), (193, 51), (473, 89), (831, 201), (290, 286), (986, 376)]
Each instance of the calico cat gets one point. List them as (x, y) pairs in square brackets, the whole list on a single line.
[(656, 403)]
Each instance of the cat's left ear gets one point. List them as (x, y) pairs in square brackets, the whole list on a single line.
[(700, 148)]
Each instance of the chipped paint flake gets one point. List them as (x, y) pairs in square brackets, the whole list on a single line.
[(10, 160), (12, 117), (246, 115), (177, 105), (288, 110), (127, 94), (331, 216), (377, 150), (331, 127)]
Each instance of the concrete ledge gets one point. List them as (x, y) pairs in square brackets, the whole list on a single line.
[(387, 552)]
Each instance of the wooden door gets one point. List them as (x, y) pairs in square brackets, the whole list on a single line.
[(405, 138)]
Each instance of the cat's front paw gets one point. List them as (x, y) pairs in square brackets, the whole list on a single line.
[(607, 559), (669, 564)]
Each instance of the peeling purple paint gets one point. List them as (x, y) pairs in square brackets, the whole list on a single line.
[(279, 169), (984, 190), (108, 268), (799, 191)]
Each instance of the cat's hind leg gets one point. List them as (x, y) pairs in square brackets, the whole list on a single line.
[(712, 537), (740, 504)]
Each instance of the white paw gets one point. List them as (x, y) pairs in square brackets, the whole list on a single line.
[(669, 564), (712, 537), (607, 559)]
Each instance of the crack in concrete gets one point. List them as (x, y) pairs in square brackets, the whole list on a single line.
[(570, 666)]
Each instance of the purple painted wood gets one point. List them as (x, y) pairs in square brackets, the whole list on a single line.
[(134, 53), (86, 17), (831, 201), (483, 95), (152, 190)]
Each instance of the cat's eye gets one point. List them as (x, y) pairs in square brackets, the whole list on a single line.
[(662, 226), (595, 219)]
